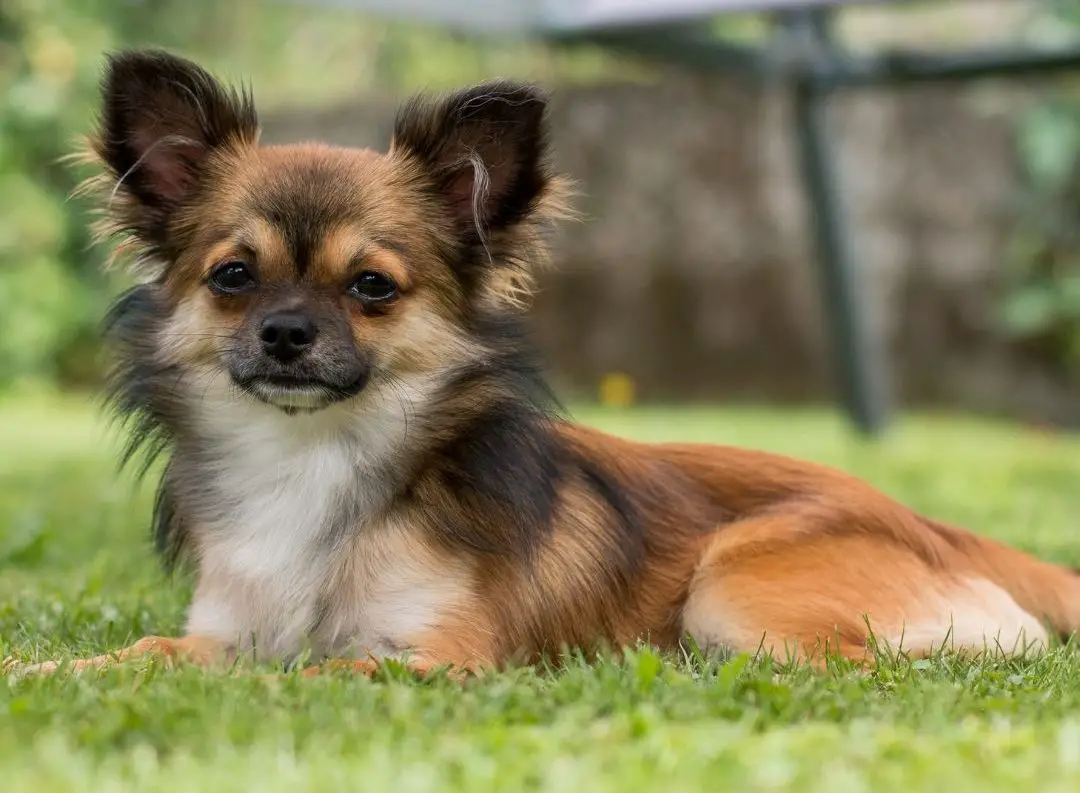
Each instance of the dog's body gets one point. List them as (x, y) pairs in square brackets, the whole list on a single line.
[(364, 461)]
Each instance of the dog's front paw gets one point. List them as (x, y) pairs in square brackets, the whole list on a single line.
[(196, 650), (13, 669)]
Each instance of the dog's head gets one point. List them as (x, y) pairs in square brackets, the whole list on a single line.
[(310, 274)]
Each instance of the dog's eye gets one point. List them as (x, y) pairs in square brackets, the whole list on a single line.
[(373, 287), (231, 277)]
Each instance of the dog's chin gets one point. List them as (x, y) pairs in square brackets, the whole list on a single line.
[(293, 395)]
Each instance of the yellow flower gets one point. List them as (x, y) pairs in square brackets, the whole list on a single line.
[(616, 390)]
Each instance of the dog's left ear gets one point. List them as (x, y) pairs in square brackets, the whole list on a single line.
[(484, 148)]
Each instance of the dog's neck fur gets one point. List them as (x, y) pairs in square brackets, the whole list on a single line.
[(237, 444), (271, 500)]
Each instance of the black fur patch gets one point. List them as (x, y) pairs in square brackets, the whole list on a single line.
[(170, 535), (505, 462), (139, 392), (138, 386), (631, 539)]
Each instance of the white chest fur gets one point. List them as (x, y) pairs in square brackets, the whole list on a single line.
[(304, 553)]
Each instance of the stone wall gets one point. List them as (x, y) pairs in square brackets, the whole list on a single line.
[(693, 270)]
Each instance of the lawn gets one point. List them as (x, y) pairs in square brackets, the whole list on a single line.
[(77, 576)]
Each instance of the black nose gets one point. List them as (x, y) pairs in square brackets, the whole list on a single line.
[(287, 335)]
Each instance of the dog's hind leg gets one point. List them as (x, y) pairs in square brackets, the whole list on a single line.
[(776, 584)]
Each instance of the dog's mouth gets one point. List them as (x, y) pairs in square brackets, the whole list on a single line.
[(298, 394)]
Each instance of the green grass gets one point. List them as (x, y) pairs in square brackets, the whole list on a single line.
[(77, 576)]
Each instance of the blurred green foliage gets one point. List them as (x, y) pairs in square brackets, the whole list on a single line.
[(49, 288), (1042, 307)]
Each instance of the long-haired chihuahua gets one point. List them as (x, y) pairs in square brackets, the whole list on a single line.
[(362, 461)]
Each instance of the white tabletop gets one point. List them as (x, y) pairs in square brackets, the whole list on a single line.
[(567, 16)]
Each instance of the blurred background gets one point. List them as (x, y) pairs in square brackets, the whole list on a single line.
[(693, 277)]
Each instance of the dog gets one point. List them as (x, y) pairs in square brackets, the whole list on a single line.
[(363, 462)]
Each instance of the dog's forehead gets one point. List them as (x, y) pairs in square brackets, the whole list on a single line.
[(312, 184), (310, 194)]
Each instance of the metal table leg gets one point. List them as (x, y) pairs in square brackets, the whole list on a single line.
[(859, 364)]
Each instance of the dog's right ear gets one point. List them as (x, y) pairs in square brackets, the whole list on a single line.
[(161, 117)]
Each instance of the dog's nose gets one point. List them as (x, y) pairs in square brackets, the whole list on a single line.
[(287, 335)]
